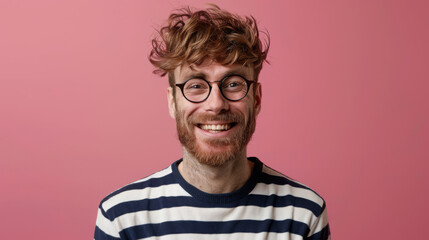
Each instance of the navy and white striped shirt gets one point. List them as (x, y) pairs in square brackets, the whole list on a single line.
[(164, 206)]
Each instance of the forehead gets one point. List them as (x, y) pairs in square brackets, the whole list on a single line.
[(211, 71)]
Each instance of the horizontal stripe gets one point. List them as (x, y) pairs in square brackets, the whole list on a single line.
[(216, 214), (272, 176), (164, 172), (229, 236), (266, 189), (158, 179), (280, 180), (249, 226), (271, 171), (251, 200), (171, 190)]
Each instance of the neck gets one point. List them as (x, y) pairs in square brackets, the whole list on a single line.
[(226, 178)]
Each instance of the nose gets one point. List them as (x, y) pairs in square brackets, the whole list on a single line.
[(216, 103)]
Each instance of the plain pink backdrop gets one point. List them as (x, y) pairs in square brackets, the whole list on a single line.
[(345, 109)]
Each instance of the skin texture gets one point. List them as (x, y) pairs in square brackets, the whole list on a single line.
[(215, 162)]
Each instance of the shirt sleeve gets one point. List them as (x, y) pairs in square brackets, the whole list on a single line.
[(105, 229), (320, 229)]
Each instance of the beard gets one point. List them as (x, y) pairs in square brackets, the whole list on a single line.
[(234, 144)]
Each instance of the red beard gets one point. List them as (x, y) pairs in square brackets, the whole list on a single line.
[(234, 143)]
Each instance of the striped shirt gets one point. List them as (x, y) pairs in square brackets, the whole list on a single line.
[(164, 206)]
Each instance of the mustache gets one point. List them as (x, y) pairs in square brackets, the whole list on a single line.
[(225, 117)]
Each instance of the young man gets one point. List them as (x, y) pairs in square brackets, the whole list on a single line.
[(213, 59)]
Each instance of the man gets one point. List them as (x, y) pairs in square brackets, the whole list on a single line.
[(213, 59)]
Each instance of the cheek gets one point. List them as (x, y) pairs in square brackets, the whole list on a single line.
[(188, 112), (246, 109), (185, 112)]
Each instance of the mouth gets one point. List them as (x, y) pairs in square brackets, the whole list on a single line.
[(216, 128)]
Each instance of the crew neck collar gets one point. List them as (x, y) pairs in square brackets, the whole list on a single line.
[(223, 197)]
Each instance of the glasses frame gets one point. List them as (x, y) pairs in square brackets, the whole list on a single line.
[(248, 83)]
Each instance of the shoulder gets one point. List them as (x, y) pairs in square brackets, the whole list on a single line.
[(151, 187), (309, 206), (292, 192)]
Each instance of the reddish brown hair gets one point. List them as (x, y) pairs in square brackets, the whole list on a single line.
[(190, 37)]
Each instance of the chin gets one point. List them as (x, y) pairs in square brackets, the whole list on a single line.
[(212, 154)]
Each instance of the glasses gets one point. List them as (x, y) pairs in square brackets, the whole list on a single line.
[(232, 87)]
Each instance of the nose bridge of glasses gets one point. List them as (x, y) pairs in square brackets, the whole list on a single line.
[(215, 99), (217, 83)]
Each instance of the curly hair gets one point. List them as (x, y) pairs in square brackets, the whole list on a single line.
[(190, 37)]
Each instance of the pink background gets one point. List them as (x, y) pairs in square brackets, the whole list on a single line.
[(345, 109)]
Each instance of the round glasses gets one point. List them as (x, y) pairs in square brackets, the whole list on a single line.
[(232, 87)]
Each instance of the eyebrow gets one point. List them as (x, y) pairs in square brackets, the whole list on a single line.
[(192, 75), (197, 74)]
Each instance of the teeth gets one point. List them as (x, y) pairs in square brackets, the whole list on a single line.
[(222, 127)]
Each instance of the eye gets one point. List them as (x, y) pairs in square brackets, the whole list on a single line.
[(195, 86), (234, 83)]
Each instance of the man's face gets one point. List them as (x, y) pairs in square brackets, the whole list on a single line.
[(216, 130)]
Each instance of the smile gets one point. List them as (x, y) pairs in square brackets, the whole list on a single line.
[(215, 128)]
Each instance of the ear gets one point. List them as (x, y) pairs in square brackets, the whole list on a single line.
[(171, 102), (258, 97)]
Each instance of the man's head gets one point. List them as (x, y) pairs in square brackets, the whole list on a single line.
[(224, 53)]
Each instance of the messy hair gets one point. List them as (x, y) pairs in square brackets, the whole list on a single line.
[(191, 37)]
